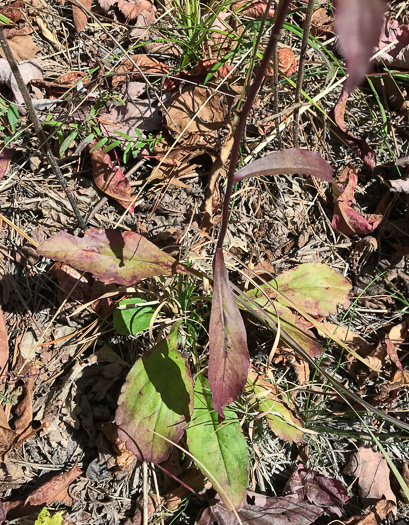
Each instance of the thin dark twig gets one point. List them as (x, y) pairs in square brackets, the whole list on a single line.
[(275, 99), (301, 64), (261, 71), (39, 129)]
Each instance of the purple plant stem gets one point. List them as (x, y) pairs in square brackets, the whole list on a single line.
[(261, 71)]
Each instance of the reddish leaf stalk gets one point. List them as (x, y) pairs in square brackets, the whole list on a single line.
[(261, 71)]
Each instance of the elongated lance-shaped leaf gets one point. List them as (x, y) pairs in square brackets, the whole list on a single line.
[(358, 24), (157, 396), (221, 452), (288, 162), (110, 255), (229, 359)]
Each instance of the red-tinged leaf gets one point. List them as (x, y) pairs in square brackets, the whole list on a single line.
[(358, 24), (372, 471), (5, 158), (44, 495), (308, 286), (110, 255), (359, 146), (221, 452), (158, 397), (79, 15), (4, 345), (263, 510), (288, 162), (345, 219), (111, 180), (327, 493), (229, 359)]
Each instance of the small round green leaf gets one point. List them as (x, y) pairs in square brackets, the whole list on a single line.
[(131, 321)]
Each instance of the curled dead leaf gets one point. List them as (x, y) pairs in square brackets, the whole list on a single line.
[(345, 218)]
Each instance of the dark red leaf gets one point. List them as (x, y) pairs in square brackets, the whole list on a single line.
[(327, 493), (5, 158), (229, 359), (263, 510), (358, 24)]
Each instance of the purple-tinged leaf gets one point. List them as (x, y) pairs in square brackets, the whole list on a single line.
[(110, 255), (221, 453), (358, 24), (328, 493), (5, 158), (264, 510), (358, 145), (288, 162), (229, 359), (157, 396)]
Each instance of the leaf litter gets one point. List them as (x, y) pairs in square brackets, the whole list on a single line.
[(170, 122)]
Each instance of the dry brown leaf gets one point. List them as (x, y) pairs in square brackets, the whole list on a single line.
[(136, 64), (142, 11), (372, 471), (203, 130), (7, 436), (321, 23), (79, 15), (22, 47), (405, 476), (13, 10), (4, 345), (377, 514), (252, 8), (400, 332), (287, 64), (354, 340), (24, 409)]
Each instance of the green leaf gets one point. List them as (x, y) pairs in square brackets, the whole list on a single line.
[(13, 117), (111, 146), (131, 321), (278, 416), (6, 21), (68, 141), (314, 288), (45, 518), (99, 144), (156, 397), (220, 451)]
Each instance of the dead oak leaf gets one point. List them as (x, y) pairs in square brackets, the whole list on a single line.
[(138, 64), (79, 15), (372, 471), (22, 47)]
